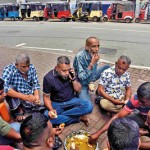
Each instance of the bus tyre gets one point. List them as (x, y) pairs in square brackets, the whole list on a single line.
[(105, 19), (20, 18), (137, 20), (95, 19), (12, 18), (85, 19), (41, 18), (1, 19), (73, 19), (63, 19), (35, 18), (127, 20)]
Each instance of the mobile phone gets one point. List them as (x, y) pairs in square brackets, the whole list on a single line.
[(71, 74)]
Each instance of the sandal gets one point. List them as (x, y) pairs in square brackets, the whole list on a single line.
[(58, 143)]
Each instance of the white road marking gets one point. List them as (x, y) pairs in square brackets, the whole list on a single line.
[(18, 25), (20, 44), (109, 29), (131, 66), (64, 50)]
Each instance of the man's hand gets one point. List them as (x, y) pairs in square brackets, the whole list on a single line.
[(52, 114), (143, 132), (58, 130), (118, 102), (95, 58), (92, 139), (31, 98)]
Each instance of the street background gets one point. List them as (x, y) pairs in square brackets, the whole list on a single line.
[(118, 39)]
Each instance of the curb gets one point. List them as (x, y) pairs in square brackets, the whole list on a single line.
[(131, 66)]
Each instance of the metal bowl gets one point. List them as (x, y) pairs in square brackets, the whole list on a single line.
[(75, 133)]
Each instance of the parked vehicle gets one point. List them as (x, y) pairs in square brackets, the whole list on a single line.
[(88, 10), (32, 10), (57, 10), (105, 6), (9, 11), (144, 13), (121, 11)]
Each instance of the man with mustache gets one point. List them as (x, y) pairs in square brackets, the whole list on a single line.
[(22, 87), (60, 88)]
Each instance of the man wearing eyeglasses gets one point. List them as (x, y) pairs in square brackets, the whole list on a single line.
[(114, 86)]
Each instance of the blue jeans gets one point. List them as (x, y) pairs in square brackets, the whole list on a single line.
[(6, 141), (70, 111), (84, 94)]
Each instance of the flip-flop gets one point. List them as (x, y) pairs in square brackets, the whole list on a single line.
[(58, 143)]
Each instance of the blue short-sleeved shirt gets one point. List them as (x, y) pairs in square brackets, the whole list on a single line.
[(59, 90)]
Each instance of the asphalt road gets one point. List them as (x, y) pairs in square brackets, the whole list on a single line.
[(131, 39)]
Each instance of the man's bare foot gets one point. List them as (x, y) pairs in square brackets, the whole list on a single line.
[(85, 120)]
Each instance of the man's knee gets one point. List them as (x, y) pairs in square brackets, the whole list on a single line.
[(88, 106), (104, 104)]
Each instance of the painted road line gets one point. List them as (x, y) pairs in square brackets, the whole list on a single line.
[(131, 66), (110, 29), (18, 25), (53, 49), (19, 45)]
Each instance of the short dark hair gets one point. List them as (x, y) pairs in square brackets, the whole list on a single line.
[(63, 60), (32, 128), (123, 134), (1, 84), (144, 90)]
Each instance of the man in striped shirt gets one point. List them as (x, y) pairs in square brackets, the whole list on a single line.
[(140, 102)]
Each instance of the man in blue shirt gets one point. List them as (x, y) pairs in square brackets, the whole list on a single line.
[(22, 87), (85, 64), (60, 88)]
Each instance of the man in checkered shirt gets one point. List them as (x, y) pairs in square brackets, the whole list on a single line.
[(22, 87)]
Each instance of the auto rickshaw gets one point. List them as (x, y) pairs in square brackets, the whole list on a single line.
[(32, 10), (144, 13), (9, 11), (121, 11), (57, 10), (88, 10)]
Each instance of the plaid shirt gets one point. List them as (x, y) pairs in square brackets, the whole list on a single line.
[(13, 79)]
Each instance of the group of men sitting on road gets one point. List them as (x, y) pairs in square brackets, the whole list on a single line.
[(66, 99)]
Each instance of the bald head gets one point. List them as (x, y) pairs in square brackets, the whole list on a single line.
[(92, 45), (91, 39)]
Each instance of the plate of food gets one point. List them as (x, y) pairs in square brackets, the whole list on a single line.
[(78, 140)]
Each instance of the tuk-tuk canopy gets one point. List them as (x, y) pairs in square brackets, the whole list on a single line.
[(59, 6), (123, 6), (34, 6), (9, 7), (90, 5)]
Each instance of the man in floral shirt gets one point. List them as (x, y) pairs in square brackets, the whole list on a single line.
[(114, 85)]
